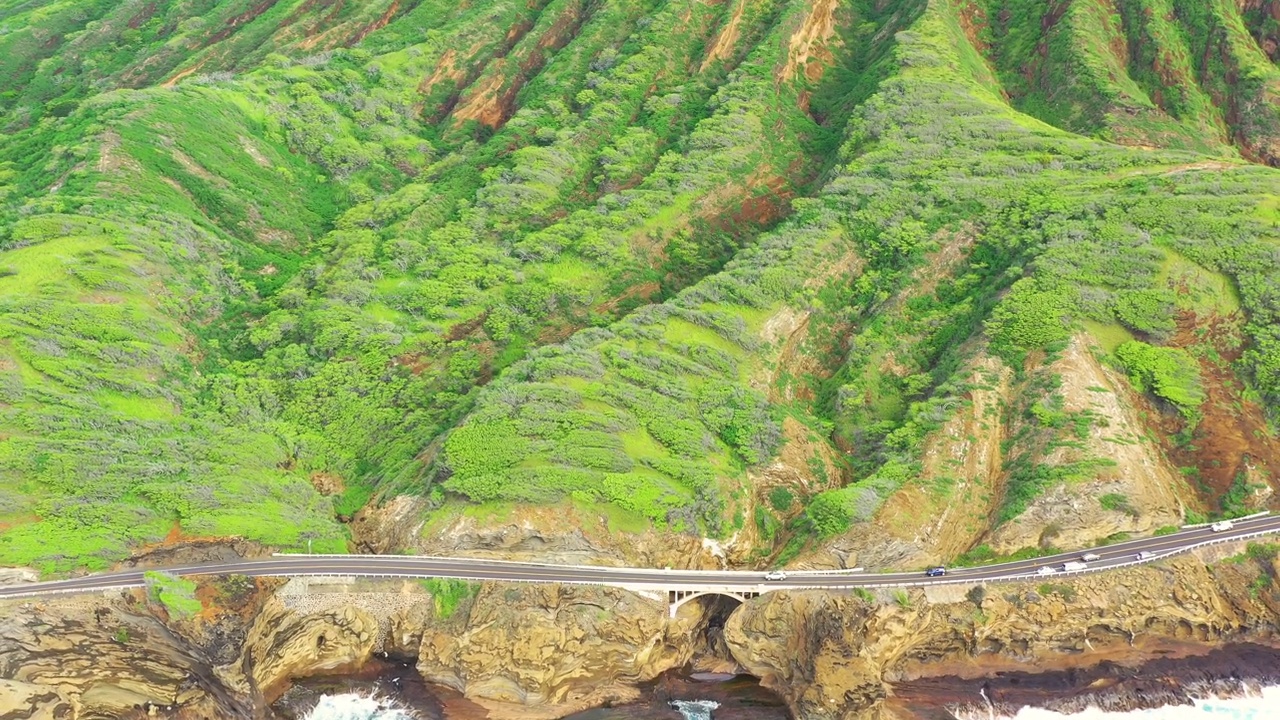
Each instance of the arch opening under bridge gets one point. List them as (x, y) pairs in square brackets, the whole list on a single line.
[(676, 598)]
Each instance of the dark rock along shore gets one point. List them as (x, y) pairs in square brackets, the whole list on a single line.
[(1226, 671)]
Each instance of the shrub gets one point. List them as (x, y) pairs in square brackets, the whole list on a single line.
[(1170, 373), (448, 594), (781, 499), (177, 595)]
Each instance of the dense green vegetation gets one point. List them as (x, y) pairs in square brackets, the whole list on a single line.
[(548, 252), (175, 594)]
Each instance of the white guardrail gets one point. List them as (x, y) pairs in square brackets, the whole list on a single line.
[(1254, 516), (1034, 574), (557, 566)]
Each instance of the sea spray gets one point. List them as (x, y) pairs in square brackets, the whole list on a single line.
[(1251, 704), (695, 709), (356, 706)]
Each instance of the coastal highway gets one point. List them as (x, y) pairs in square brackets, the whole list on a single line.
[(1122, 553)]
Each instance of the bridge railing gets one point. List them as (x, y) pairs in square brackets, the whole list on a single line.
[(560, 566), (1242, 518), (1019, 576), (1023, 576)]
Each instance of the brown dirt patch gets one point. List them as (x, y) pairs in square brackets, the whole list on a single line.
[(446, 69), (726, 39), (645, 291), (142, 16), (492, 101), (111, 158), (183, 73), (416, 363), (243, 18), (253, 152), (378, 24), (1205, 165), (810, 42), (973, 21), (467, 328), (327, 483), (486, 103), (190, 165), (1232, 436), (948, 509)]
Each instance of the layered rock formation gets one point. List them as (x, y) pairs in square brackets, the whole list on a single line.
[(284, 646), (554, 645), (92, 657), (840, 656)]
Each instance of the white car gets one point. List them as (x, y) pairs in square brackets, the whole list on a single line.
[(775, 575), (1090, 557), (1143, 555), (1222, 526), (1046, 570)]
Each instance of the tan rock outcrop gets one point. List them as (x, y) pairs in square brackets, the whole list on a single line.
[(565, 535), (27, 701), (99, 658), (547, 644), (283, 645), (1142, 475), (838, 656)]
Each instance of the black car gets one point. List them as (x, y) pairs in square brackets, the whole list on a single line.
[(936, 571)]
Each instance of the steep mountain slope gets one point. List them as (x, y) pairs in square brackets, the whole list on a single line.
[(850, 280), (342, 246), (954, 228)]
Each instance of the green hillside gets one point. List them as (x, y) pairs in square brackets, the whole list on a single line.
[(264, 263)]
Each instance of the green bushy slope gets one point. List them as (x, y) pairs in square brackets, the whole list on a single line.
[(547, 252)]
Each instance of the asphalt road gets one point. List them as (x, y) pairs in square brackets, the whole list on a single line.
[(477, 569)]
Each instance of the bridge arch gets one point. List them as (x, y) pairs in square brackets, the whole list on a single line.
[(676, 598)]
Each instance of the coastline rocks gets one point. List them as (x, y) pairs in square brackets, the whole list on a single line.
[(538, 645), (26, 701), (838, 656), (284, 645), (85, 659)]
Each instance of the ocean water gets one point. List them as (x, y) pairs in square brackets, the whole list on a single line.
[(358, 706), (1260, 705)]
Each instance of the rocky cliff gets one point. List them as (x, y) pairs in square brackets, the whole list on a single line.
[(841, 656), (545, 651)]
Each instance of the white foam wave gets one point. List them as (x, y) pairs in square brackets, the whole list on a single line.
[(354, 706), (1260, 705), (695, 709)]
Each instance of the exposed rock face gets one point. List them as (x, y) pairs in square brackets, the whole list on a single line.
[(564, 535), (284, 645), (1150, 485), (538, 645), (837, 656), (82, 658), (1096, 439), (37, 702)]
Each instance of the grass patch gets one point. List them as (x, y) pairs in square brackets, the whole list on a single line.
[(177, 595)]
